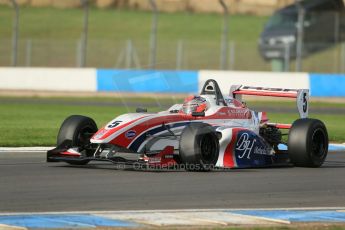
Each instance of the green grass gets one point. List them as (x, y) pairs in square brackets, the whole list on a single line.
[(334, 123), (290, 227), (54, 34), (36, 123), (311, 226), (50, 23), (116, 99)]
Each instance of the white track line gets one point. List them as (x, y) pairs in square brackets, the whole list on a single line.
[(10, 227), (184, 217), (279, 221), (176, 210), (24, 149)]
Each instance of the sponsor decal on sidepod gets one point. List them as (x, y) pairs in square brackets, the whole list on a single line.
[(130, 134)]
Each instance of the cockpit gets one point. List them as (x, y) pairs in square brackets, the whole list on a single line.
[(210, 96)]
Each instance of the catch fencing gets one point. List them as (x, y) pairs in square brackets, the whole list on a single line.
[(174, 55), (152, 52)]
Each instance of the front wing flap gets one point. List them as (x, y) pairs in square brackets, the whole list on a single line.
[(164, 158)]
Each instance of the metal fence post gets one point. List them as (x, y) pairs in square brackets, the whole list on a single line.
[(232, 53), (153, 36), (179, 55), (300, 35), (336, 27), (129, 53), (287, 57), (336, 40), (224, 46), (28, 52), (84, 36), (78, 53), (342, 58), (15, 33)]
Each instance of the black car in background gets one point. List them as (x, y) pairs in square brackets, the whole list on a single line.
[(324, 25)]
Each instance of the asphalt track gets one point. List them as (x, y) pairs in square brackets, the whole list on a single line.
[(29, 184)]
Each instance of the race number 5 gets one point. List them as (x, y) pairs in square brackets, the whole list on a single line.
[(305, 103), (113, 124)]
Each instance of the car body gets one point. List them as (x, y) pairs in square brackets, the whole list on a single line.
[(211, 130)]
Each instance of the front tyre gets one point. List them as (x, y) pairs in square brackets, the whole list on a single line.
[(78, 129), (308, 143), (199, 147)]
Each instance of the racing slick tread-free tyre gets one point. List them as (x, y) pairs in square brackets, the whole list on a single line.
[(199, 147), (308, 143), (79, 130)]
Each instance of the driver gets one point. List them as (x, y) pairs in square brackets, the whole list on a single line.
[(194, 104)]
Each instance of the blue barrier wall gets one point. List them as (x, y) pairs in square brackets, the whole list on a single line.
[(166, 81), (161, 81), (327, 85), (139, 81)]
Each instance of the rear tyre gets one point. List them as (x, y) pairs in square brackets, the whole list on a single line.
[(308, 143), (78, 129), (199, 147)]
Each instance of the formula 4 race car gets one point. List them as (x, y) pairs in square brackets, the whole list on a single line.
[(208, 131)]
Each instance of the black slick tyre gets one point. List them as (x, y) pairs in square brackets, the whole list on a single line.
[(199, 147), (308, 143), (78, 129)]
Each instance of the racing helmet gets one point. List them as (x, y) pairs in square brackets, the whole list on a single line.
[(194, 104)]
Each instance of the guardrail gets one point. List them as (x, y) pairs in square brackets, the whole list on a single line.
[(161, 81)]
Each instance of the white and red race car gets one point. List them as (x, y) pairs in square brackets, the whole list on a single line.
[(208, 131)]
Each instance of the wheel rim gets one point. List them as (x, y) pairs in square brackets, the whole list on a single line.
[(208, 148), (319, 144)]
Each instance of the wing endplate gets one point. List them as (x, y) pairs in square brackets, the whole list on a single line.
[(301, 95)]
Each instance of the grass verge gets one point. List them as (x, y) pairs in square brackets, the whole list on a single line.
[(35, 122), (54, 36)]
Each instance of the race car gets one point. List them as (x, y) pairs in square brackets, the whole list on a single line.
[(205, 132)]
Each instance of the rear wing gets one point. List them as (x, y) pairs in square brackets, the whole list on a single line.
[(301, 95)]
